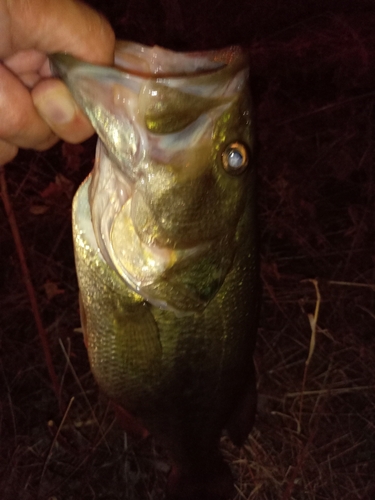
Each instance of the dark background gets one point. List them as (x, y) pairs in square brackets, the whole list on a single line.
[(205, 24)]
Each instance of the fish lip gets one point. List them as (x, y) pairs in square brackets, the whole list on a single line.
[(131, 57), (159, 77), (61, 63)]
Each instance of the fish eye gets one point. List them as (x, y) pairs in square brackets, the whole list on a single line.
[(235, 158)]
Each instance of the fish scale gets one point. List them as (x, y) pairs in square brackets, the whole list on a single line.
[(170, 331)]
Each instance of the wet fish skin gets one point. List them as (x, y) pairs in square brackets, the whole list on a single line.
[(166, 251)]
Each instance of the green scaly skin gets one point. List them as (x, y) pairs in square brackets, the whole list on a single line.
[(184, 371)]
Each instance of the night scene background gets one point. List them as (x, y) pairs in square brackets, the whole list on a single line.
[(312, 67)]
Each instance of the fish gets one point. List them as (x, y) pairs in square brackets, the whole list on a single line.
[(166, 250)]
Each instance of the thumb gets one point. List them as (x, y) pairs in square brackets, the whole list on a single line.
[(58, 109)]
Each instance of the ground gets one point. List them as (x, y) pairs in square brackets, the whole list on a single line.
[(313, 86)]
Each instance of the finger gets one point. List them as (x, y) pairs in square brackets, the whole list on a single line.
[(20, 123), (55, 26), (26, 64), (7, 152), (57, 107)]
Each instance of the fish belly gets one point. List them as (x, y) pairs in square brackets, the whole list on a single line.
[(185, 378)]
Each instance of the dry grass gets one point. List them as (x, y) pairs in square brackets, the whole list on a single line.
[(314, 95)]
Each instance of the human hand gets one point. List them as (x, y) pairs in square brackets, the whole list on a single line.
[(37, 110)]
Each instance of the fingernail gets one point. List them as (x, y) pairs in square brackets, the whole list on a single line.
[(56, 107)]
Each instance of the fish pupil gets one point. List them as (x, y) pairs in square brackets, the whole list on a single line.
[(235, 159)]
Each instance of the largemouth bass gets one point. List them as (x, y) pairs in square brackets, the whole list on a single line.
[(166, 251)]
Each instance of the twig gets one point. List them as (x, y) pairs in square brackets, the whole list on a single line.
[(74, 373), (313, 323), (28, 283), (323, 109), (332, 392), (352, 284), (55, 439), (298, 467)]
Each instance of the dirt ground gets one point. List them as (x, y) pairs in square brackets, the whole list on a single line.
[(313, 85)]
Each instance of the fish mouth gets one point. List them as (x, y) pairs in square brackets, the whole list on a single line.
[(151, 268), (140, 262), (155, 112)]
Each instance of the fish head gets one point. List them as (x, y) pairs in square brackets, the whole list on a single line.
[(173, 166)]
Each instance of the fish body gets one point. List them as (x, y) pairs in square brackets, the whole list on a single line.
[(166, 250)]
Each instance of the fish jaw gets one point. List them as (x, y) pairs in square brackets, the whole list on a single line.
[(159, 197)]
